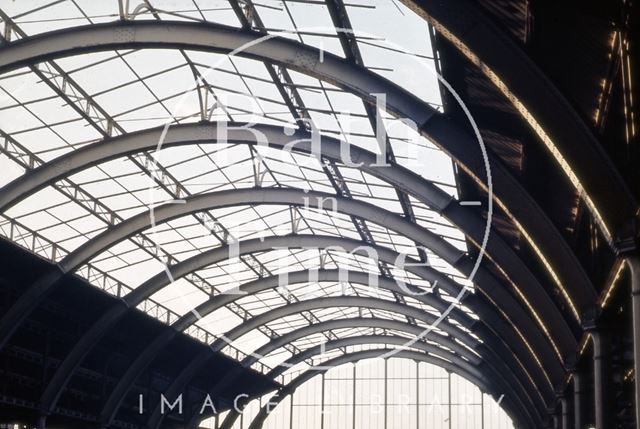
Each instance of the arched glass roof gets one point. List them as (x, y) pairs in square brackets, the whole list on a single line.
[(55, 108), (417, 395)]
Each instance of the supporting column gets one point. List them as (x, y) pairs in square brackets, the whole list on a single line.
[(564, 410), (600, 379), (628, 247), (634, 265), (578, 394), (550, 423)]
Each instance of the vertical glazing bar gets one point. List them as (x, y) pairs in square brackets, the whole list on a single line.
[(291, 410), (353, 415), (417, 395), (321, 401), (386, 379), (450, 399)]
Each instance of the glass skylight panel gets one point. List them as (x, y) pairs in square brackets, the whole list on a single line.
[(400, 67), (288, 323), (118, 72), (270, 298), (139, 99), (218, 11), (11, 170), (120, 255), (17, 119), (227, 276), (230, 275), (34, 21), (22, 87), (313, 22), (220, 321), (250, 341), (332, 313), (312, 340), (302, 259)]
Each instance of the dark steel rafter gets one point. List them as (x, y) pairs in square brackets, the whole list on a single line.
[(204, 89), (112, 152), (499, 339), (489, 351), (397, 176), (249, 18), (387, 340), (194, 133), (113, 315), (288, 197), (361, 81), (356, 322), (28, 160), (341, 21), (107, 126)]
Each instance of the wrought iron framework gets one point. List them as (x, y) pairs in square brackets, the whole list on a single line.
[(511, 329)]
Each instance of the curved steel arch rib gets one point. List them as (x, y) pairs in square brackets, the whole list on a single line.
[(485, 281), (257, 196), (344, 301), (470, 365), (472, 225), (497, 328), (567, 137), (200, 360), (361, 355), (100, 328), (510, 195), (492, 378), (403, 179), (357, 322)]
